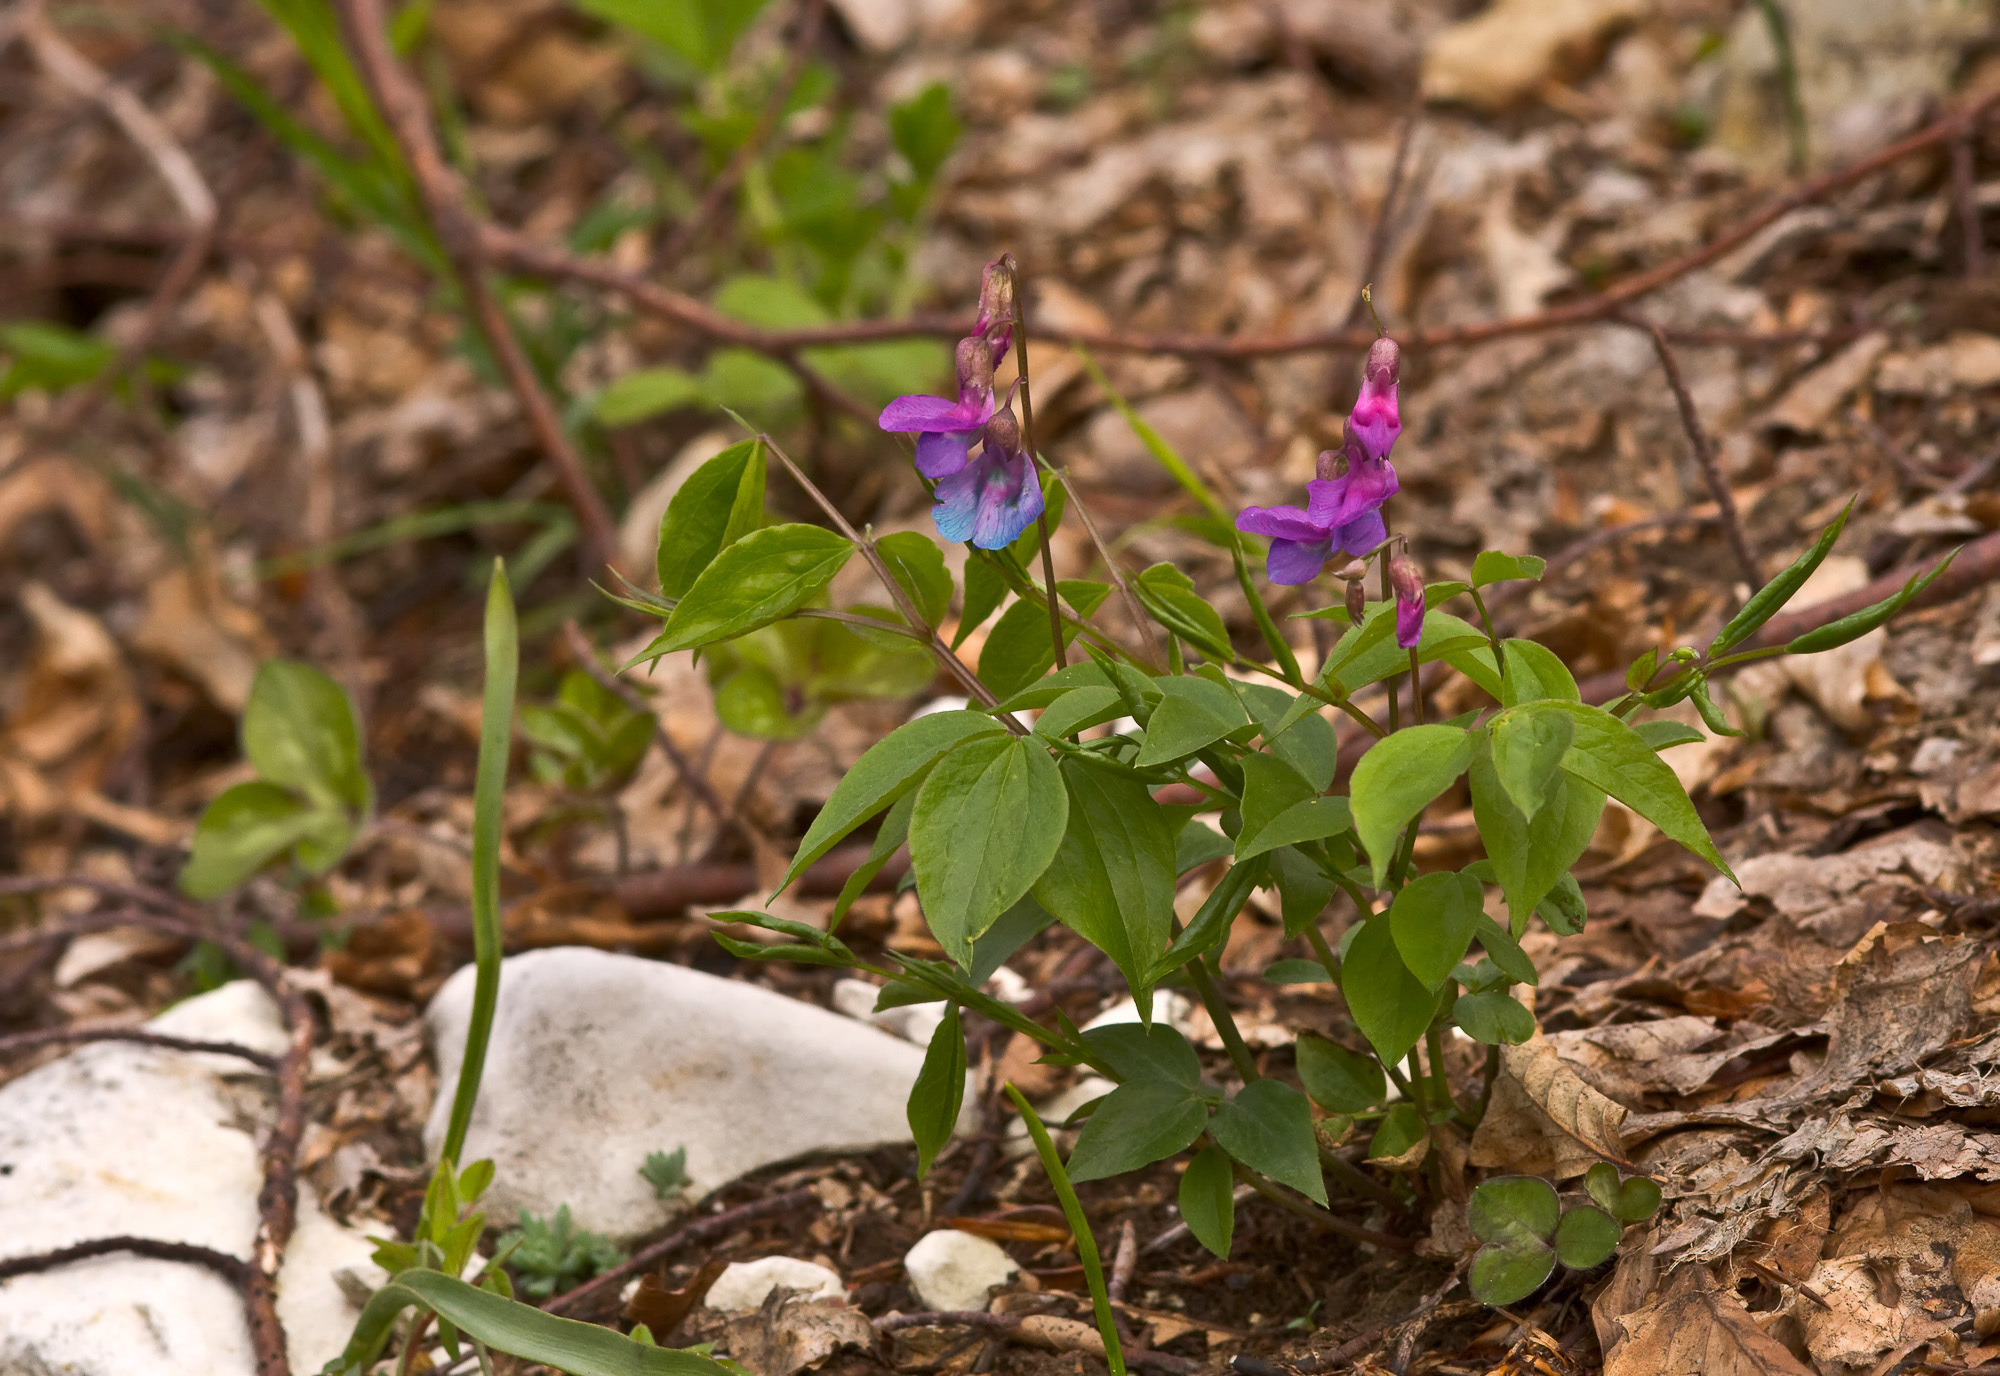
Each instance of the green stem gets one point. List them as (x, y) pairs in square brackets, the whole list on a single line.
[(1323, 949), (1492, 635), (1440, 1078), (1224, 1020), (1486, 1089), (1359, 1182), (496, 729), (1405, 853), (1280, 649), (1079, 1226)]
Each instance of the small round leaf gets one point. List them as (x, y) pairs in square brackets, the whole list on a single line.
[(1513, 1208), (1587, 1236), (1507, 1273)]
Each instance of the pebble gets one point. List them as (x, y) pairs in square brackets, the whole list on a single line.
[(745, 1285), (957, 1271)]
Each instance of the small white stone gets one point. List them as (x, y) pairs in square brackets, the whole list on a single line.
[(1934, 753), (1170, 1006), (957, 1271), (744, 1285)]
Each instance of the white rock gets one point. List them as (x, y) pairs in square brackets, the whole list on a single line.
[(744, 1285), (1170, 1006), (954, 1270), (598, 1060), (913, 1022), (1053, 1111), (120, 1139)]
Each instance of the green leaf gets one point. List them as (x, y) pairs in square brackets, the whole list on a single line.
[(1529, 861), (1401, 1128), (1208, 1200), (49, 356), (1389, 1005), (1563, 909), (720, 503), (886, 770), (1494, 1018), (1850, 628), (1633, 1201), (1169, 595), (1771, 598), (765, 576), (1210, 927), (1397, 779), (1609, 755), (1077, 709), (918, 564), (1663, 735), (1494, 567), (1711, 717), (243, 830), (1507, 1273), (509, 1326), (1013, 929), (1312, 820), (1156, 1055), (1044, 691), (1527, 753), (1112, 879), (645, 393), (1018, 649), (1534, 673), (1268, 1127), (1432, 920), (1193, 713), (298, 730), (1513, 1208), (1587, 1237), (1304, 889), (1505, 952), (1297, 971), (1336, 1078), (924, 129), (1305, 741), (989, 818), (1134, 1126), (1375, 655), (984, 590), (939, 1092), (1200, 844)]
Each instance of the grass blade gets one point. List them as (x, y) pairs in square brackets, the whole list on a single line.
[(1086, 1245)]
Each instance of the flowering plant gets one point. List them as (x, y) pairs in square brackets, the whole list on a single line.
[(1142, 792)]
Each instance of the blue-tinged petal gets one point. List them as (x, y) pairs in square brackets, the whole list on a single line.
[(921, 413), (941, 453), (1296, 561), (1363, 533), (1280, 523)]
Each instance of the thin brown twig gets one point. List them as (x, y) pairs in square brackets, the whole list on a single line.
[(459, 234), (942, 652), (1704, 453), (139, 1036), (232, 1269), (1124, 1262), (1149, 634), (716, 1225), (1965, 193), (1019, 293), (683, 236)]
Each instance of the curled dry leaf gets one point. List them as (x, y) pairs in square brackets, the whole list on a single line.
[(1545, 1118), (788, 1335), (1886, 1280), (1694, 1326), (1900, 994)]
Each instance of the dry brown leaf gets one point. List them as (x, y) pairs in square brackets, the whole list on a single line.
[(1695, 1327), (788, 1335), (1545, 1118), (661, 1309), (1900, 994), (191, 626)]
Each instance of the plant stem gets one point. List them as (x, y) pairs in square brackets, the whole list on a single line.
[(1486, 1089), (496, 730), (1324, 950), (1079, 1226), (1499, 654), (1416, 688), (1224, 1020), (1356, 1181), (1440, 1078), (1281, 650), (1034, 457)]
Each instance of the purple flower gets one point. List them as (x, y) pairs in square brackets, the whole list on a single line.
[(1343, 510), (1342, 513), (946, 430), (990, 500), (1408, 582), (1375, 418)]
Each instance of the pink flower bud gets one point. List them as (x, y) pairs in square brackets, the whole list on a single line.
[(1003, 432), (1357, 602), (975, 369), (1375, 420), (1408, 581)]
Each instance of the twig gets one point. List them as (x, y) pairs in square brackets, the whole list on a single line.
[(1148, 632), (713, 1226), (278, 1197), (527, 256), (1704, 453), (1124, 1261), (1019, 293), (1965, 192), (683, 236), (942, 652), (170, 160), (1418, 1322), (1169, 1236), (58, 1036), (696, 781), (232, 1269), (1378, 232), (458, 232)]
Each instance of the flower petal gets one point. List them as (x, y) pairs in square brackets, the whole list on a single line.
[(1009, 501), (1296, 561), (1280, 522), (1363, 533), (1409, 622), (941, 453), (921, 413)]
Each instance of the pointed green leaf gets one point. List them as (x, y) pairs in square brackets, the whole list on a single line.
[(1432, 921), (1529, 861), (989, 818), (1851, 628), (1389, 1006), (1077, 709), (939, 1093), (1337, 1078), (1491, 566), (298, 730), (1398, 778), (1494, 1018), (762, 578), (1208, 1200), (1112, 878), (720, 503), (1268, 1127), (1771, 598), (918, 565), (1134, 1126), (1527, 752), (1609, 755)]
